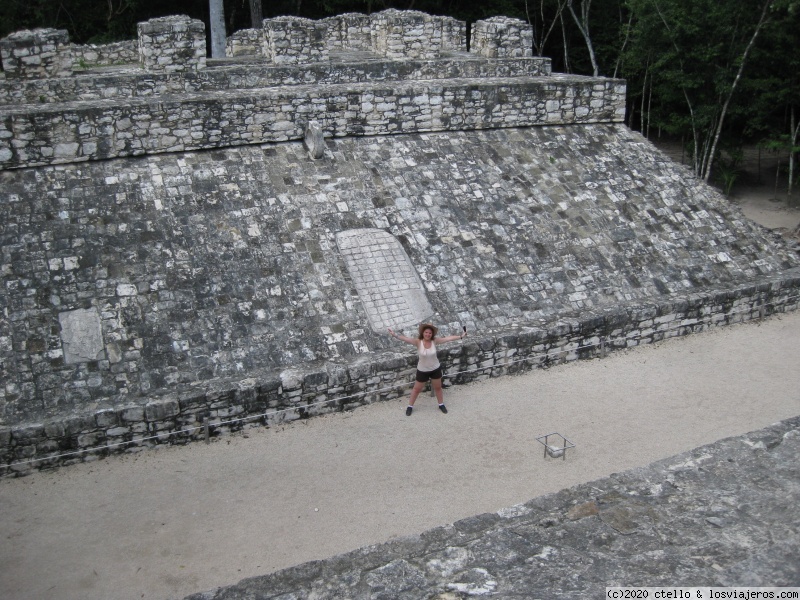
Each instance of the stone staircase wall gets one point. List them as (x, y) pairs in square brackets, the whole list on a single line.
[(86, 131), (175, 102)]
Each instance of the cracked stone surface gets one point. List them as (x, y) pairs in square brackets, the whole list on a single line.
[(212, 266)]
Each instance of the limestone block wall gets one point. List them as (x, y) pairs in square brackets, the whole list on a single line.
[(83, 131), (225, 407), (349, 31), (502, 37), (172, 44), (216, 281), (103, 55), (177, 43), (294, 40), (133, 83), (454, 35), (392, 34), (406, 34), (245, 42), (36, 54)]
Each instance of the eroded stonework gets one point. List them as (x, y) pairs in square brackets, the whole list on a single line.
[(174, 245), (213, 266)]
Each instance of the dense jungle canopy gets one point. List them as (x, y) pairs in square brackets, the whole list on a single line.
[(716, 74)]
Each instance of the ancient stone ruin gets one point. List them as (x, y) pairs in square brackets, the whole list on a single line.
[(192, 246)]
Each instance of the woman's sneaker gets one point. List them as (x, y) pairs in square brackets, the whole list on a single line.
[(408, 411), (443, 408)]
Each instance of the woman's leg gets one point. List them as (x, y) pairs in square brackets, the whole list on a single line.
[(437, 388), (415, 392)]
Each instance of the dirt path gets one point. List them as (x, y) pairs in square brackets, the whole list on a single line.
[(169, 522), (177, 520)]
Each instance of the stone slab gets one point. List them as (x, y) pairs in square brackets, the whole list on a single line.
[(387, 282)]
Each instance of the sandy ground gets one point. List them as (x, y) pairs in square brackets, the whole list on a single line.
[(760, 205), (169, 522)]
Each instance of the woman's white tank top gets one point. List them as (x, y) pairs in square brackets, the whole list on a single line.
[(428, 361)]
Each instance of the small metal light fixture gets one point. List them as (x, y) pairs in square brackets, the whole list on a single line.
[(555, 445)]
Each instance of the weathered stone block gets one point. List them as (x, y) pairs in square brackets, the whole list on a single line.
[(81, 336), (349, 31), (132, 414), (295, 40), (158, 410), (36, 54), (502, 37), (314, 141), (406, 34), (172, 44)]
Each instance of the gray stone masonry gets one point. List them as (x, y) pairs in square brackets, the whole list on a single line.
[(192, 248), (105, 55), (221, 292), (245, 42), (172, 44), (294, 40), (350, 31), (53, 134), (723, 515), (36, 54), (63, 119), (502, 37), (406, 34), (344, 68)]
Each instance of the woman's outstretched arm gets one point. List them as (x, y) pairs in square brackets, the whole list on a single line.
[(451, 338), (403, 338)]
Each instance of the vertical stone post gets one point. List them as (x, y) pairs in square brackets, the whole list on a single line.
[(245, 42), (36, 54), (406, 34), (295, 40), (349, 31), (454, 34), (172, 44), (502, 37)]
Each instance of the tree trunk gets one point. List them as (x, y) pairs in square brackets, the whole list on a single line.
[(644, 95), (583, 27), (539, 41), (564, 37), (794, 129), (718, 132), (256, 14), (216, 14), (624, 43)]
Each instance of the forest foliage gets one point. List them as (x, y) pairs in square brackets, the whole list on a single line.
[(716, 74)]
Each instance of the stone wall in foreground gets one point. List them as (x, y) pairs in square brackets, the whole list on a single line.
[(723, 515)]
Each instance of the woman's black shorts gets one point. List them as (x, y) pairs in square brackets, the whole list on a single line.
[(424, 376)]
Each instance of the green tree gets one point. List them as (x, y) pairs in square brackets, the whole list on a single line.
[(772, 115), (696, 52)]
